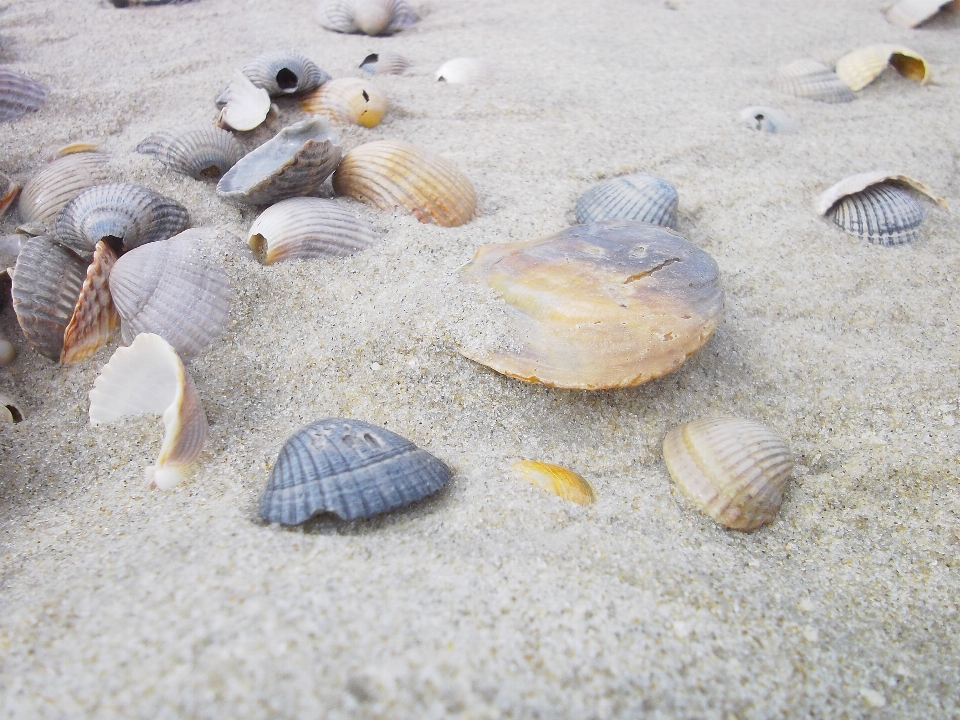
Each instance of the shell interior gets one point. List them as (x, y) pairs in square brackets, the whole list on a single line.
[(557, 480), (631, 197), (864, 65), (244, 105)]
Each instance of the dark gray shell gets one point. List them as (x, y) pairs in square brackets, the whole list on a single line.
[(385, 63), (285, 72), (631, 197), (883, 214), (200, 151), (370, 17), (808, 78), (122, 214), (19, 93), (45, 194), (349, 468)]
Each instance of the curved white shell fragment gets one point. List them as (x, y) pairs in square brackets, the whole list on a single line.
[(861, 67), (808, 78), (465, 71), (19, 94), (285, 72), (856, 183), (769, 119), (370, 17), (149, 378), (308, 228), (643, 197), (45, 194), (245, 106), (200, 151), (911, 13), (385, 63)]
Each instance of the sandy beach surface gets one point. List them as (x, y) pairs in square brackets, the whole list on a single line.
[(492, 598)]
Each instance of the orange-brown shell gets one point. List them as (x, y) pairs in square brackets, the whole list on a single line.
[(347, 100), (95, 319), (556, 479)]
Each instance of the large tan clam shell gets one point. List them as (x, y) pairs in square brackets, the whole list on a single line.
[(394, 174), (149, 378), (19, 93), (200, 151), (733, 470), (308, 228), (285, 72), (911, 13), (348, 100), (370, 17), (8, 193), (95, 318), (173, 289), (45, 194), (808, 78), (856, 183), (609, 304), (861, 67), (244, 105)]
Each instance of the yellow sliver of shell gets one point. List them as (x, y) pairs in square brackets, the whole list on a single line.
[(557, 480)]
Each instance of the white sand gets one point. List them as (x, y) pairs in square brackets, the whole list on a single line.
[(495, 599)]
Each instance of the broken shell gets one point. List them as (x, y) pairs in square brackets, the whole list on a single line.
[(95, 319), (349, 468), (45, 194), (11, 411), (464, 71), (349, 100), (733, 470), (394, 174), (370, 17), (8, 353), (80, 146), (173, 289), (630, 197), (911, 13), (19, 93), (200, 151), (149, 377), (9, 249), (385, 63), (768, 119), (8, 193), (864, 65), (285, 72), (557, 480), (808, 78), (295, 162), (244, 105), (121, 214), (610, 304), (308, 228)]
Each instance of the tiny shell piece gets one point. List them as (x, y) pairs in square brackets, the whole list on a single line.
[(630, 197), (349, 100), (557, 480), (385, 63), (349, 468), (8, 193), (19, 93), (295, 162), (733, 470), (370, 17), (200, 151), (45, 194), (8, 353), (95, 319), (464, 71), (768, 119), (285, 72), (911, 13), (149, 378), (864, 65), (308, 228), (394, 174), (11, 411), (808, 78), (245, 106)]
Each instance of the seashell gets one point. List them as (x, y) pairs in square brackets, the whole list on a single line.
[(149, 378), (808, 78), (295, 162), (557, 480), (9, 249), (284, 72), (349, 100), (464, 71), (80, 146), (11, 411), (8, 353), (733, 470), (174, 290), (121, 214), (8, 193), (200, 151), (146, 3), (19, 94), (244, 105), (385, 63), (911, 13), (45, 194), (630, 197), (876, 206), (768, 119), (610, 304), (394, 174), (370, 17), (349, 468), (95, 319), (308, 228), (864, 65)]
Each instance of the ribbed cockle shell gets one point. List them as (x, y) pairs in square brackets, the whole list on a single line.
[(370, 17), (630, 197), (556, 479), (45, 194), (285, 72), (808, 78), (385, 63), (19, 93), (864, 65), (200, 151), (348, 100)]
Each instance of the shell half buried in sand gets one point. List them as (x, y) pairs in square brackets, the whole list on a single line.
[(864, 65), (808, 78), (348, 100), (244, 106), (370, 17), (201, 151), (606, 305), (464, 71), (19, 94), (149, 378), (630, 197), (285, 72), (45, 194), (911, 13), (769, 119), (393, 174), (733, 470), (557, 480), (385, 62)]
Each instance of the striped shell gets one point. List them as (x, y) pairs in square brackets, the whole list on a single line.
[(610, 304), (555, 479), (45, 194), (348, 100), (631, 197), (464, 71), (768, 119), (19, 93), (149, 378), (295, 162), (349, 468), (173, 289), (370, 17), (244, 105), (864, 65), (200, 151), (284, 72), (911, 13), (810, 79), (733, 470), (122, 214), (308, 228), (394, 174), (95, 319), (385, 63), (8, 193)]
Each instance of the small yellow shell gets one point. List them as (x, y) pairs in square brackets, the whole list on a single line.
[(557, 480), (864, 65), (349, 100)]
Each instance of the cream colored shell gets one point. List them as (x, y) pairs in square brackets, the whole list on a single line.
[(861, 67), (245, 106), (911, 13), (557, 480), (348, 100), (465, 71), (46, 193)]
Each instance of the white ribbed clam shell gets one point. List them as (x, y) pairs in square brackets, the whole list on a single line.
[(808, 78), (45, 194), (385, 63), (200, 151), (19, 93), (285, 72), (370, 17)]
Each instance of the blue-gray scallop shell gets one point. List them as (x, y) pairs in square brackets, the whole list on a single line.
[(883, 214), (349, 468), (630, 197)]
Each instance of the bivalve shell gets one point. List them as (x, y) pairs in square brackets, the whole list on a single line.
[(95, 318), (200, 151), (11, 409), (556, 479), (285, 72), (349, 468), (864, 65), (911, 13), (19, 94), (464, 71), (370, 17), (8, 193), (45, 194), (385, 63), (244, 106), (394, 174), (610, 304), (630, 197), (348, 100), (768, 119), (808, 78), (733, 470)]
